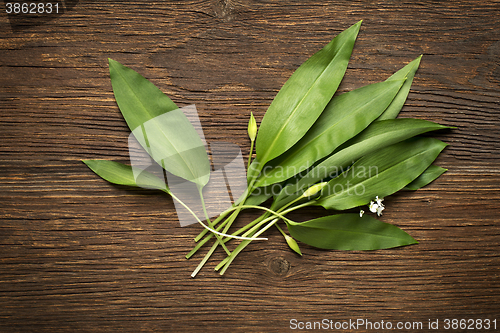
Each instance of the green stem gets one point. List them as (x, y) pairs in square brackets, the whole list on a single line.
[(243, 198), (215, 222), (227, 261), (276, 213), (251, 231), (281, 216), (231, 219), (200, 244), (222, 215), (251, 224), (281, 230), (200, 190), (206, 239), (210, 252), (205, 226), (205, 259), (214, 246), (250, 154), (240, 247)]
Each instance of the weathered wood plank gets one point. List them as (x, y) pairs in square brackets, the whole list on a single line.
[(78, 254)]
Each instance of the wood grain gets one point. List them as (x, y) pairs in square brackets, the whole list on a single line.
[(79, 254)]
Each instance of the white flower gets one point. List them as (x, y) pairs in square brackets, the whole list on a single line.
[(377, 206), (373, 207), (379, 210), (361, 212)]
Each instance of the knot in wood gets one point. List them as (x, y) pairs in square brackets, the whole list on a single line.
[(224, 10), (279, 266)]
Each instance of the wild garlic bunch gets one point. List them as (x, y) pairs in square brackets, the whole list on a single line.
[(311, 149)]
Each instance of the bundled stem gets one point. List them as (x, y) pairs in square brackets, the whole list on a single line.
[(253, 226)]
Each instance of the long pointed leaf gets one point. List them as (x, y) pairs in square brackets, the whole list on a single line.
[(378, 135), (407, 72), (349, 232), (159, 126), (139, 100), (121, 174), (345, 116), (304, 96), (428, 176), (380, 173)]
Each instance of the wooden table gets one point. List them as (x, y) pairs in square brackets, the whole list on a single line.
[(79, 254)]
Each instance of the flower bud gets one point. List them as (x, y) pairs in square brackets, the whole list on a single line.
[(314, 189), (292, 244), (252, 127)]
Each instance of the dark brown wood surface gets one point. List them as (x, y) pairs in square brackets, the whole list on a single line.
[(79, 254)]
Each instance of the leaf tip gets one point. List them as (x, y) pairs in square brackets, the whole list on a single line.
[(358, 25), (415, 63), (112, 62), (411, 241), (87, 162), (419, 58)]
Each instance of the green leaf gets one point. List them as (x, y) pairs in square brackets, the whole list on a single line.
[(138, 99), (428, 176), (345, 116), (380, 173), (378, 135), (253, 170), (407, 72), (258, 196), (161, 128), (121, 174), (349, 232), (304, 96)]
